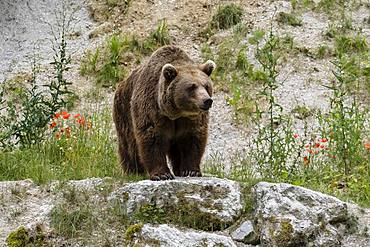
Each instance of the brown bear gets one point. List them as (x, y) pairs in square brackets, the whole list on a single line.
[(160, 111)]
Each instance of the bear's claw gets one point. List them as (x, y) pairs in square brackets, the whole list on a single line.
[(166, 176), (191, 174)]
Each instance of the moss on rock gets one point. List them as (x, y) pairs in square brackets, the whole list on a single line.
[(23, 238)]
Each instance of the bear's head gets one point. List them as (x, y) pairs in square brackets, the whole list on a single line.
[(185, 90)]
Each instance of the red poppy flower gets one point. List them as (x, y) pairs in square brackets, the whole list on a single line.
[(66, 116), (77, 115), (317, 145), (367, 145), (323, 140), (295, 135), (57, 115), (322, 146), (53, 124), (307, 145)]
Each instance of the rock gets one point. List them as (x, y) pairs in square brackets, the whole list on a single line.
[(169, 236), (245, 233), (288, 215), (213, 203)]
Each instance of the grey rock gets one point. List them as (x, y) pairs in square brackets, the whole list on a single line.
[(288, 215), (220, 199), (245, 233)]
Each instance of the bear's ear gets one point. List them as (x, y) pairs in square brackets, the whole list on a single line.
[(207, 67), (169, 72)]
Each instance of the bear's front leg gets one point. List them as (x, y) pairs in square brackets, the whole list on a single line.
[(152, 150), (192, 150)]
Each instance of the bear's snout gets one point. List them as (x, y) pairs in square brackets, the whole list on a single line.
[(207, 104)]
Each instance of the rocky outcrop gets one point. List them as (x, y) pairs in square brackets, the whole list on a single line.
[(287, 215), (216, 202), (182, 212)]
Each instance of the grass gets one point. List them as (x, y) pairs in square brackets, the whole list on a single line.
[(68, 221)]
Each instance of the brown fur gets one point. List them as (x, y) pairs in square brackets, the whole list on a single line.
[(159, 111)]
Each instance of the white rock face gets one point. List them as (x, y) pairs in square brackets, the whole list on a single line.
[(169, 236), (288, 215), (219, 198)]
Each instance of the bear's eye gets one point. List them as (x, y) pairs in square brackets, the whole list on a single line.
[(192, 87)]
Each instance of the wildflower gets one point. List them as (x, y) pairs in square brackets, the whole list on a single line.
[(317, 145), (64, 113), (66, 116), (61, 130), (57, 115), (306, 160), (53, 124), (295, 135), (310, 151), (307, 145), (367, 145), (322, 146), (68, 131), (323, 140), (77, 115), (57, 135)]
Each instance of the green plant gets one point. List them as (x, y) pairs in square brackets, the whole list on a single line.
[(323, 51), (346, 44), (274, 144), (226, 16), (289, 18), (346, 124), (302, 112)]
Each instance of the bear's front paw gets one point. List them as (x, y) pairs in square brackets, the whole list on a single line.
[(163, 176), (192, 173)]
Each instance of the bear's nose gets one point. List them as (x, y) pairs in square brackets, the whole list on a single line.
[(207, 104)]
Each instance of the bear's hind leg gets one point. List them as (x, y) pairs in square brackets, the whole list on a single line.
[(130, 162)]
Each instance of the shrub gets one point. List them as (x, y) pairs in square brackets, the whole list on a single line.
[(226, 16), (289, 18)]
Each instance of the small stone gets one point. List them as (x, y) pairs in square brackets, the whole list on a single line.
[(245, 233)]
